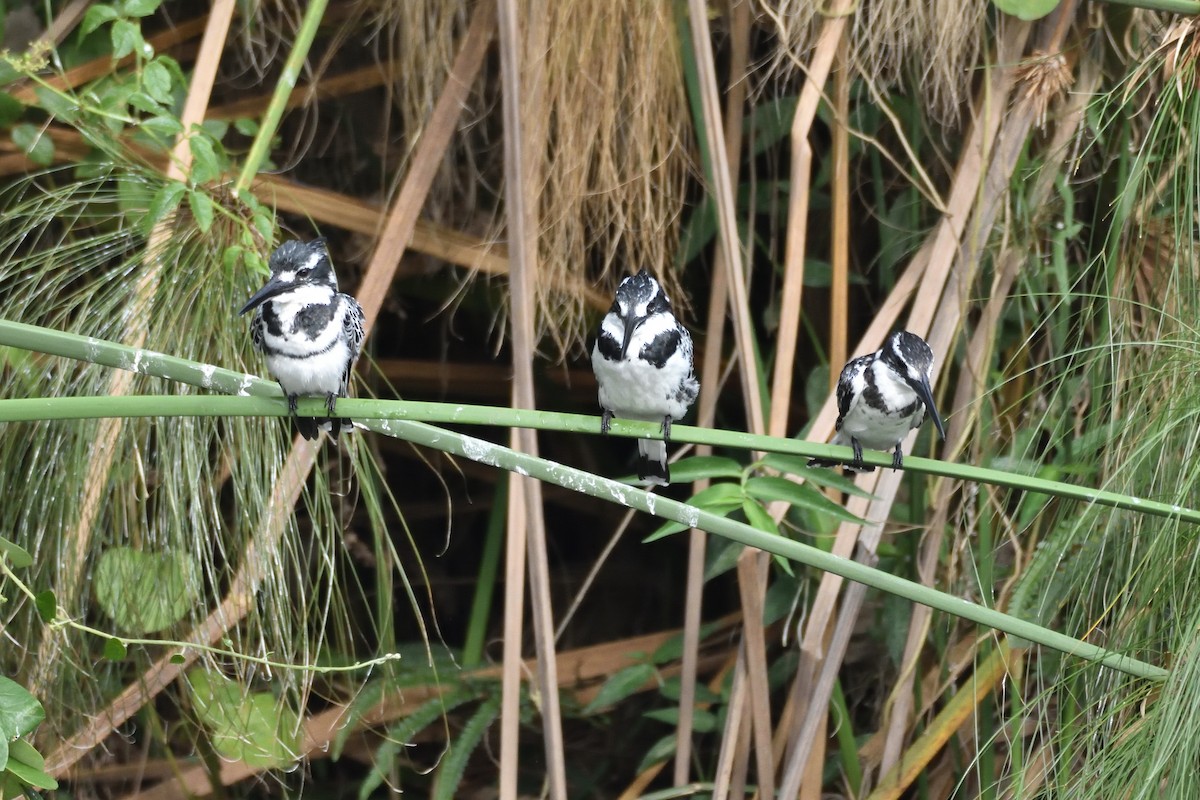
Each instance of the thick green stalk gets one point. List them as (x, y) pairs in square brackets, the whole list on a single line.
[(283, 90), (259, 397), (485, 585), (262, 398), (1188, 7), (579, 481)]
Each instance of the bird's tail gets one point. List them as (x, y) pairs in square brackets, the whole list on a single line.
[(652, 462), (335, 425), (310, 427)]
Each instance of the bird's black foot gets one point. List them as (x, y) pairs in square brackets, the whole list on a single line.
[(666, 428), (606, 421), (857, 465), (897, 458), (330, 402), (292, 398)]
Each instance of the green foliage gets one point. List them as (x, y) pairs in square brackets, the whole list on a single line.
[(255, 727), (20, 764), (1026, 9), (144, 592)]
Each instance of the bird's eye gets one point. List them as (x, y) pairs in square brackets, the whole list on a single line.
[(303, 273)]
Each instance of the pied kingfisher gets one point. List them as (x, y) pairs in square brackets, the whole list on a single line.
[(309, 331), (643, 363), (881, 397)]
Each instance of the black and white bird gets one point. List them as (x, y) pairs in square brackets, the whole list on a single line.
[(643, 363), (881, 397), (310, 332)]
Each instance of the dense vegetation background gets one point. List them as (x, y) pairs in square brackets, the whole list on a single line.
[(196, 604)]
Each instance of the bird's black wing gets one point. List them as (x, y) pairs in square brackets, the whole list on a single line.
[(845, 385), (353, 328), (257, 325)]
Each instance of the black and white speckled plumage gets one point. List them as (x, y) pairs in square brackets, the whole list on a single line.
[(881, 397), (643, 364), (310, 333)]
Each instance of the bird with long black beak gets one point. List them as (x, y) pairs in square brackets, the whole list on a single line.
[(310, 332), (881, 397), (643, 364)]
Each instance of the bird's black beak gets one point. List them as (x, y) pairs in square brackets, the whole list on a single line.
[(926, 394), (631, 323), (264, 294)]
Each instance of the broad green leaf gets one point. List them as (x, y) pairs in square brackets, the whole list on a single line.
[(47, 605), (34, 143), (96, 16), (246, 126), (205, 166), (28, 765), (672, 648), (114, 649), (719, 499), (139, 8), (165, 201), (821, 476), (20, 711), (660, 751), (143, 102), (126, 38), (17, 556), (144, 592), (703, 720), (797, 494), (253, 727), (202, 208), (689, 470), (11, 109), (162, 125), (1026, 9), (758, 517), (56, 104), (620, 685), (4, 791), (156, 81)]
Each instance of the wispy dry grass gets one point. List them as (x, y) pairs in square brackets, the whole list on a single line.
[(935, 44)]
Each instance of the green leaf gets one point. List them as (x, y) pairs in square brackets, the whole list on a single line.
[(454, 765), (126, 38), (202, 208), (703, 720), (689, 470), (28, 765), (719, 499), (164, 202), (47, 605), (1026, 9), (758, 517), (17, 556), (205, 166), (20, 711), (253, 727), (114, 649), (620, 685), (821, 476), (163, 125), (34, 143), (246, 126), (143, 102), (660, 751), (11, 109), (139, 8), (177, 658), (797, 494), (145, 592), (56, 104), (96, 16), (156, 81)]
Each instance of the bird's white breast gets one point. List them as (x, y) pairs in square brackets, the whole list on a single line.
[(636, 389), (880, 429)]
